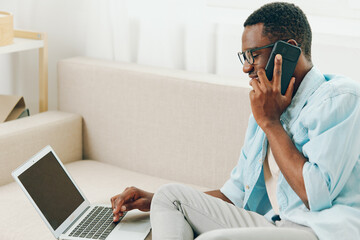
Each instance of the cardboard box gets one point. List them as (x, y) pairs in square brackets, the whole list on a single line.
[(12, 107)]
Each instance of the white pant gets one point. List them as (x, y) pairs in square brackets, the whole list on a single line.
[(180, 212)]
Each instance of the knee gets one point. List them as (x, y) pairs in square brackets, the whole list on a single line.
[(170, 191)]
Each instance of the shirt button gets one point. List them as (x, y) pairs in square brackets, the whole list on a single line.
[(247, 187), (260, 161)]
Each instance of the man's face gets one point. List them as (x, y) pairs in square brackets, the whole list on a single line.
[(252, 38)]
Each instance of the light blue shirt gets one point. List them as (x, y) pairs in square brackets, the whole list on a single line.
[(323, 122)]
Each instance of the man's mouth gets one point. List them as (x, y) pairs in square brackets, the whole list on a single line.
[(254, 77)]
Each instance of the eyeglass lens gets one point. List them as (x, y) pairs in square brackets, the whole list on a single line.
[(246, 56), (249, 57)]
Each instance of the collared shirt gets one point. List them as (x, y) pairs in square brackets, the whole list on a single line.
[(323, 122)]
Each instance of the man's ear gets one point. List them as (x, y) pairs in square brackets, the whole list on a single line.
[(293, 42)]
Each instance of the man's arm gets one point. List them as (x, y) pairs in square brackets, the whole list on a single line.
[(219, 194), (288, 158), (267, 105)]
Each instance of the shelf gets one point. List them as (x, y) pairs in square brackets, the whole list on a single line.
[(22, 44), (26, 40)]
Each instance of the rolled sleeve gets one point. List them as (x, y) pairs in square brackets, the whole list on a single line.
[(233, 193), (332, 149), (316, 187)]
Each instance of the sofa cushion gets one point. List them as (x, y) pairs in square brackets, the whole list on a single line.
[(98, 181)]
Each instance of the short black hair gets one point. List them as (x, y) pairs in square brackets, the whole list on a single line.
[(283, 21)]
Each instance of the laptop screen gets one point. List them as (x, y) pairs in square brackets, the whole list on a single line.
[(51, 189)]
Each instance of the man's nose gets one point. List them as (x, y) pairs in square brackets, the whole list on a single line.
[(247, 67)]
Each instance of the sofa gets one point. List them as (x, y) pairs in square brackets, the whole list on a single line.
[(122, 124)]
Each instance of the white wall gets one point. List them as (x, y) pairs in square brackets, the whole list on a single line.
[(195, 35)]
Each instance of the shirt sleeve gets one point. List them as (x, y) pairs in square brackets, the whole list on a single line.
[(233, 188), (332, 150)]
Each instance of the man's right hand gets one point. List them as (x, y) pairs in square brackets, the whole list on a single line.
[(130, 198)]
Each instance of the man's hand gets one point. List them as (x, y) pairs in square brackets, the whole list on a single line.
[(130, 198), (217, 193), (267, 102)]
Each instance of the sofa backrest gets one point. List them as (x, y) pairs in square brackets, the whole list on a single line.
[(182, 126)]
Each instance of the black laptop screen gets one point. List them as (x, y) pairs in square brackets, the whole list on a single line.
[(51, 189)]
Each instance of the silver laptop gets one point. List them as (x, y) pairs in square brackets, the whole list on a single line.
[(65, 209)]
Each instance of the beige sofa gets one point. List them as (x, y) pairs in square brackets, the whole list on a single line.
[(120, 125)]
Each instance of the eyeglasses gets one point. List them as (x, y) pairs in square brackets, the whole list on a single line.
[(247, 55)]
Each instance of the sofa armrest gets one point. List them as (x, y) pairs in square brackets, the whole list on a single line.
[(22, 138)]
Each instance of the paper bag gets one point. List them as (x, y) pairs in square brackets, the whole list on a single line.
[(12, 107)]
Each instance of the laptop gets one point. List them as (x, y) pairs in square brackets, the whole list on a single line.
[(65, 209)]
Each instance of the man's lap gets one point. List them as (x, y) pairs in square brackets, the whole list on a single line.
[(205, 213)]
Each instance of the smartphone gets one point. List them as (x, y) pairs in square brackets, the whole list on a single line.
[(290, 56)]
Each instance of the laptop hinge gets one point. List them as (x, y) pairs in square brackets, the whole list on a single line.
[(76, 219)]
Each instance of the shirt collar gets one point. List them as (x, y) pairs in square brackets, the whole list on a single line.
[(311, 82)]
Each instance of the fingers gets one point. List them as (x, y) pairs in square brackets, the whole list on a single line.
[(277, 71), (255, 85), (131, 198), (138, 204), (290, 89), (117, 217), (264, 81), (118, 201)]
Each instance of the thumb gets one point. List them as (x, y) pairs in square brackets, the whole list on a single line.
[(290, 89)]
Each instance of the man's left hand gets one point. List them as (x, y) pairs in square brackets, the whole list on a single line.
[(267, 102)]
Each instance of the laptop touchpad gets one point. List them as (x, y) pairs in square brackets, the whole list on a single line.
[(135, 221)]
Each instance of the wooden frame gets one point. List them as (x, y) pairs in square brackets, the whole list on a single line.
[(43, 65), (26, 40)]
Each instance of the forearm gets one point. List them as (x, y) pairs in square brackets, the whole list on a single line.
[(218, 194), (288, 158)]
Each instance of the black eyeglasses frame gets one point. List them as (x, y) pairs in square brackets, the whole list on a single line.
[(243, 54)]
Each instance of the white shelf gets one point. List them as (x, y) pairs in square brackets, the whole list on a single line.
[(26, 40), (22, 44)]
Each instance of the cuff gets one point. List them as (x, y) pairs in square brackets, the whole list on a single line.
[(233, 193), (317, 190)]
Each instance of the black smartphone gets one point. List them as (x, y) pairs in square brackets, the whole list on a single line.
[(290, 55)]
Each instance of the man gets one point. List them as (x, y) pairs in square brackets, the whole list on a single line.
[(299, 170)]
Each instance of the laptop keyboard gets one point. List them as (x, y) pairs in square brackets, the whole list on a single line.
[(98, 224)]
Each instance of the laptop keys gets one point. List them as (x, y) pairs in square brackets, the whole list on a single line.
[(98, 224)]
